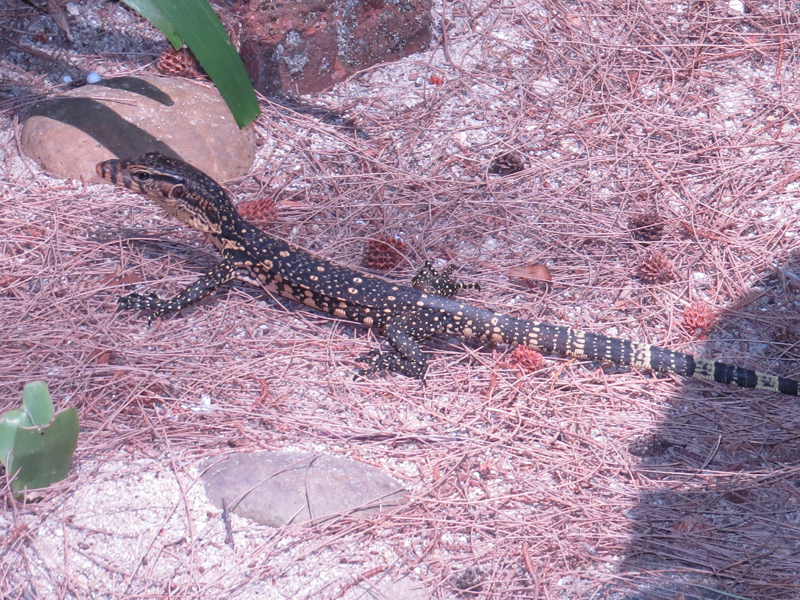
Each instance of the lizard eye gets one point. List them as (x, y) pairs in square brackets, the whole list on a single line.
[(177, 191), (141, 175)]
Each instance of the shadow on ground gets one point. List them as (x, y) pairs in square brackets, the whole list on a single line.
[(722, 519)]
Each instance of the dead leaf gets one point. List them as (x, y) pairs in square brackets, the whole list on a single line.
[(101, 357), (60, 17), (535, 272), (121, 280)]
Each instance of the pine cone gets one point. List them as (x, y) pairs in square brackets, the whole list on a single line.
[(656, 268), (698, 318), (261, 209), (507, 164), (526, 358), (177, 62), (383, 253), (646, 227)]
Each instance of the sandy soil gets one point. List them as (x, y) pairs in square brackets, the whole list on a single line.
[(659, 150)]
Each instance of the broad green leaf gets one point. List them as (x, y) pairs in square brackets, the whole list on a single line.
[(43, 455), (149, 10), (9, 423), (197, 23), (37, 402)]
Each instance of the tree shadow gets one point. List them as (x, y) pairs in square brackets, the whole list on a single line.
[(721, 519)]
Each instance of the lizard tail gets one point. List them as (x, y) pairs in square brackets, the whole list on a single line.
[(565, 341)]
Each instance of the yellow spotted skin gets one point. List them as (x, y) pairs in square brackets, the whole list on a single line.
[(407, 315)]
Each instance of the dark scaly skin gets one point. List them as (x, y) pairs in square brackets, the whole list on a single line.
[(407, 315)]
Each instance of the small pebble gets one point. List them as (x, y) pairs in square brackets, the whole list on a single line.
[(736, 7), (93, 77)]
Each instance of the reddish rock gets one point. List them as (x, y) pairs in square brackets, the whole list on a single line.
[(308, 45), (123, 117)]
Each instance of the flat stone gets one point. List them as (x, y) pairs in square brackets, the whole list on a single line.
[(123, 117), (277, 488), (306, 46)]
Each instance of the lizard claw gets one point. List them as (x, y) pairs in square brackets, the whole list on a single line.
[(441, 282), (138, 301), (372, 358), (390, 361)]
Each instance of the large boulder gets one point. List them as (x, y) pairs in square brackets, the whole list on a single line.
[(123, 117)]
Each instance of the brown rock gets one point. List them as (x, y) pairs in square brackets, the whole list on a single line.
[(277, 488), (67, 135), (307, 46)]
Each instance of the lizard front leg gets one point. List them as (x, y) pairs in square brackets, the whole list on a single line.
[(216, 276)]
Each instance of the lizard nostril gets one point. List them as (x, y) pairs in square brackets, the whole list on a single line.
[(108, 170)]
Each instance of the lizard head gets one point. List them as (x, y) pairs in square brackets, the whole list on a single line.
[(181, 190)]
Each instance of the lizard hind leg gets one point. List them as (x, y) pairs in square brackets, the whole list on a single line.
[(405, 356), (392, 361)]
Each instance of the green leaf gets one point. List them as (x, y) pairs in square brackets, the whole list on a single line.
[(43, 455), (149, 10), (37, 403), (9, 423), (197, 23)]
